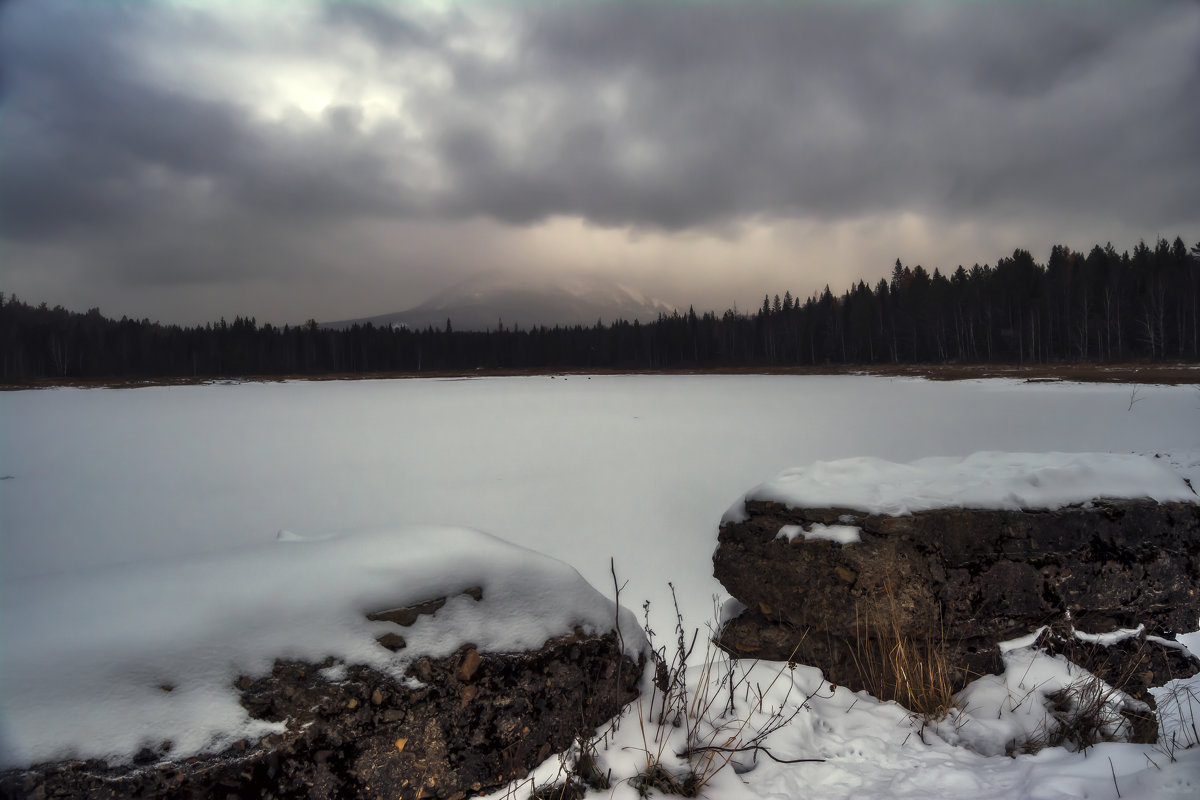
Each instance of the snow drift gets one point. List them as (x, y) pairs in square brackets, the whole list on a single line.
[(98, 664), (985, 480)]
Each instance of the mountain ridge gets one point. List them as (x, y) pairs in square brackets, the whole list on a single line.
[(488, 301)]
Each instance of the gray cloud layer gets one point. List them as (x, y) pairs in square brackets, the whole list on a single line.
[(778, 109), (646, 115)]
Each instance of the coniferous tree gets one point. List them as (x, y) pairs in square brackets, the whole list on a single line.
[(1104, 306)]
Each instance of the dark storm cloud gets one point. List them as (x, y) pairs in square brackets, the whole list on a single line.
[(79, 148), (92, 141), (651, 115), (779, 109)]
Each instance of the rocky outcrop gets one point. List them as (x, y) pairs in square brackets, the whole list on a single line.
[(968, 578), (455, 726)]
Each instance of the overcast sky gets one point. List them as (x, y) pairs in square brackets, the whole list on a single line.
[(191, 160)]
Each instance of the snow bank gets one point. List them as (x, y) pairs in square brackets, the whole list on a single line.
[(101, 663), (986, 480), (999, 713), (865, 748)]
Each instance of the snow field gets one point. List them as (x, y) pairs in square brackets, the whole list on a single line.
[(107, 485)]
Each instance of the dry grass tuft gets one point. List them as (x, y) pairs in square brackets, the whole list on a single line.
[(896, 666)]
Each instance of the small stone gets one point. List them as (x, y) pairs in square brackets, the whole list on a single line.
[(392, 641), (407, 615), (400, 744), (470, 665), (377, 697), (353, 703), (423, 670)]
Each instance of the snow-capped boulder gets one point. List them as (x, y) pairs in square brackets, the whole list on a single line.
[(459, 725), (970, 551), (428, 662)]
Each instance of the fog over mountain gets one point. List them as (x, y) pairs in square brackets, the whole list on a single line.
[(488, 300)]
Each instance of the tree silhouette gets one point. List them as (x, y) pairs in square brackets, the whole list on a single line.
[(1104, 306)]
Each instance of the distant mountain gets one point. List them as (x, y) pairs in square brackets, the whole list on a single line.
[(484, 301)]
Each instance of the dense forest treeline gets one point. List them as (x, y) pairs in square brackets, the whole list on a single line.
[(1098, 306)]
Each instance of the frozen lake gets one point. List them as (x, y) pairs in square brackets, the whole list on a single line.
[(638, 468)]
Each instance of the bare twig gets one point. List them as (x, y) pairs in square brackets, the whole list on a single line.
[(712, 734), (1133, 395), (617, 587), (747, 748)]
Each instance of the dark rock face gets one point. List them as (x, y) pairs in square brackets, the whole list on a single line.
[(971, 578), (475, 722)]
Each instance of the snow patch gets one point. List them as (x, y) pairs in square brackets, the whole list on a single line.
[(1000, 713), (1022, 642), (842, 534), (730, 609), (1110, 638), (1174, 645)]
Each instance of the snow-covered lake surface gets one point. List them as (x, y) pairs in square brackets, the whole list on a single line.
[(640, 469)]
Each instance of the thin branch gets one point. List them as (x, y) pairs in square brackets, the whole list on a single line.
[(1133, 396), (758, 748)]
